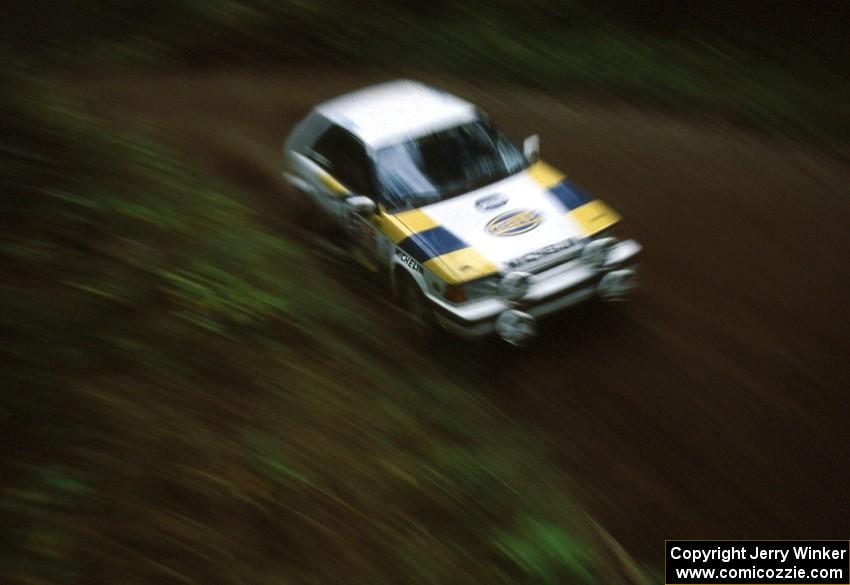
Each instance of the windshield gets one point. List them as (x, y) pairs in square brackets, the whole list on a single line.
[(445, 164)]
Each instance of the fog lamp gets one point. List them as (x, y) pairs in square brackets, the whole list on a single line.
[(514, 285), (597, 251)]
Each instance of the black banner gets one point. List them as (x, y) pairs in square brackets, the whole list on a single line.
[(757, 562)]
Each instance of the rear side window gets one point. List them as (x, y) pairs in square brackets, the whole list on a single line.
[(343, 156), (306, 132)]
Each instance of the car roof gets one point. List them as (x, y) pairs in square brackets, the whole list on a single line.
[(388, 113)]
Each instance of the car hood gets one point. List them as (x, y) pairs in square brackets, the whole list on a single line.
[(490, 228)]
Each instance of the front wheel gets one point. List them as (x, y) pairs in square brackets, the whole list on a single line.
[(416, 309), (302, 209), (308, 216)]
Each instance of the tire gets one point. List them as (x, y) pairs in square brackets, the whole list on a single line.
[(309, 217), (415, 307), (303, 209)]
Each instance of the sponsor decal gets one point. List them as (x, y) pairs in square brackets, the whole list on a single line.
[(546, 253), (490, 202), (408, 260), (514, 223)]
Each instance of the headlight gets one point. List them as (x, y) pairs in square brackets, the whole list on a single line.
[(597, 251), (514, 285), (483, 287), (470, 291)]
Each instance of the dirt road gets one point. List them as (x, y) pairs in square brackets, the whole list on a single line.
[(714, 405)]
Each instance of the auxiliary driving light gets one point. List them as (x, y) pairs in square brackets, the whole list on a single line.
[(516, 328), (514, 285), (617, 285), (597, 251)]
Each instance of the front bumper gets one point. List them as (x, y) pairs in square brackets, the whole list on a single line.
[(550, 292)]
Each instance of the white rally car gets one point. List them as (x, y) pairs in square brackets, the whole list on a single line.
[(474, 233)]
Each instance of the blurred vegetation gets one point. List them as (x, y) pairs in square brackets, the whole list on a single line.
[(783, 70), (186, 399)]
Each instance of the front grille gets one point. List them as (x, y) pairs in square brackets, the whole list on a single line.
[(545, 258), (548, 263)]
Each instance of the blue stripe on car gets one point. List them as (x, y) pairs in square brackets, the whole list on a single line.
[(431, 243), (569, 195)]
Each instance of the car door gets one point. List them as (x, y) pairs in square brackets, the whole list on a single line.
[(316, 164), (345, 159), (349, 172)]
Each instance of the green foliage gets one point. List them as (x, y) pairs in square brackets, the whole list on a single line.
[(547, 553)]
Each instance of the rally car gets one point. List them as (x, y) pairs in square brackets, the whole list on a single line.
[(474, 234)]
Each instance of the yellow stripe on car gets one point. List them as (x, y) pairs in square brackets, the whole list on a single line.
[(337, 188), (401, 225), (545, 174), (461, 266), (594, 217), (416, 220)]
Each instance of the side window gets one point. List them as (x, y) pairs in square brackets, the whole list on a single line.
[(339, 153), (306, 131)]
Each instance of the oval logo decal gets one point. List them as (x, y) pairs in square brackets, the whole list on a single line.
[(514, 223), (490, 202)]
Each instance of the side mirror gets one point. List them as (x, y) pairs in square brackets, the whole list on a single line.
[(531, 148), (361, 205)]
